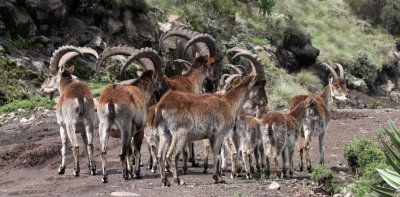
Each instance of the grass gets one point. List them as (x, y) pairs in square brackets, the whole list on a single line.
[(337, 32), (309, 81), (27, 104), (283, 92)]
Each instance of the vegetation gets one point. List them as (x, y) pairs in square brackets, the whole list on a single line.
[(27, 104), (390, 175), (378, 12), (325, 176), (361, 153), (267, 6), (309, 80)]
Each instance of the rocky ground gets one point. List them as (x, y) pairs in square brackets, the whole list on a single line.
[(30, 156)]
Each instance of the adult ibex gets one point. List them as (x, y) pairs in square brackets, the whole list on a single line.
[(75, 107), (181, 117), (336, 89)]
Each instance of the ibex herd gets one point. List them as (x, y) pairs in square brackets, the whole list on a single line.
[(170, 113)]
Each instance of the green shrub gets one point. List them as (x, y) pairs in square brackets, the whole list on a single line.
[(365, 68), (390, 17), (362, 152), (309, 80), (324, 175)]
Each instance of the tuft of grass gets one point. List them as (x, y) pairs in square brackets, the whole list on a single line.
[(283, 92), (324, 176), (309, 81), (27, 104)]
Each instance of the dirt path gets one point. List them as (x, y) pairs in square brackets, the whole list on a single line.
[(29, 158)]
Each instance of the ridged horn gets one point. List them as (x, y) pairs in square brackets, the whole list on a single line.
[(111, 51), (57, 55), (85, 50), (232, 77), (149, 59), (331, 69), (184, 62), (211, 49), (177, 31), (258, 66), (341, 71), (222, 80), (243, 69), (238, 70)]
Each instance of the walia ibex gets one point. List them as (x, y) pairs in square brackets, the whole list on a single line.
[(336, 89), (181, 117), (122, 110), (280, 132), (75, 107)]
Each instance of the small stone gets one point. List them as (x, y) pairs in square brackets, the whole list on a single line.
[(32, 118), (11, 115), (21, 110), (342, 173), (23, 120), (348, 195), (274, 185), (39, 108), (2, 50)]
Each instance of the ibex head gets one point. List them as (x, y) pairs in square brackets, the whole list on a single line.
[(258, 95), (338, 83), (57, 68)]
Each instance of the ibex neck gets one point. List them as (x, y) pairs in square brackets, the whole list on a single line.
[(298, 113), (327, 95), (64, 82), (197, 76), (238, 95)]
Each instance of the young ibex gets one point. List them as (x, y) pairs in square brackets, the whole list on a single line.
[(122, 110), (75, 107), (181, 117), (280, 132), (336, 89)]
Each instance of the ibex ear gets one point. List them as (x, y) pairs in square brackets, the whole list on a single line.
[(198, 54), (210, 61), (71, 69)]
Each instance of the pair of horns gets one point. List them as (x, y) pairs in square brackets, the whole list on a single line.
[(335, 75), (147, 57), (65, 53), (238, 68), (255, 62), (204, 43)]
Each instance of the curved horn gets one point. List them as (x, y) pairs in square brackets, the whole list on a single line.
[(341, 71), (85, 50), (149, 59), (111, 51), (184, 62), (238, 70), (258, 66), (231, 78), (243, 69), (238, 50), (178, 31), (223, 78), (57, 55), (331, 69), (204, 38)]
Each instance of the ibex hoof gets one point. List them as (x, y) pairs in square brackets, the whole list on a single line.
[(309, 169), (93, 170), (301, 168), (205, 171), (76, 171), (104, 179), (291, 173), (185, 171), (248, 176), (138, 175), (252, 169), (61, 170), (233, 175), (194, 164), (166, 183)]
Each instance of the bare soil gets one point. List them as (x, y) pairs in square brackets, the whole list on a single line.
[(30, 156)]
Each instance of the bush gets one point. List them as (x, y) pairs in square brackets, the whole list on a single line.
[(390, 17), (370, 176), (361, 153), (366, 69), (324, 175), (309, 80)]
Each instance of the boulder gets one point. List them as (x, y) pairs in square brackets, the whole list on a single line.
[(15, 20), (46, 12)]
